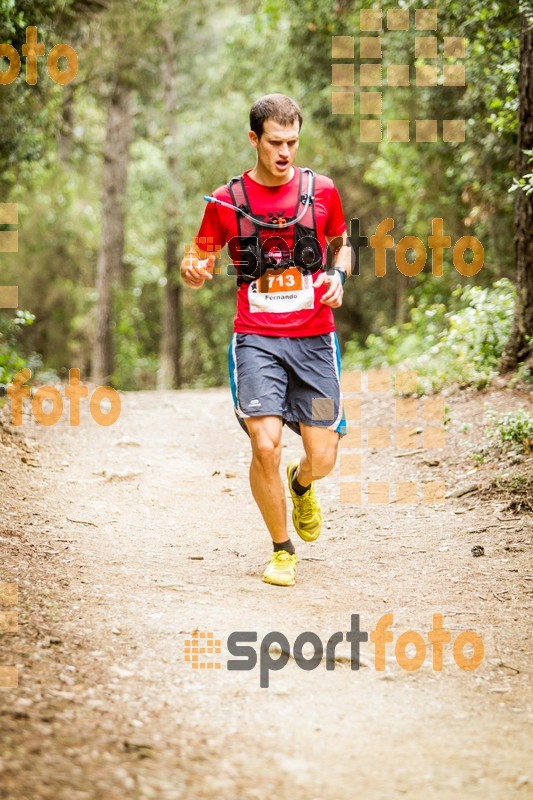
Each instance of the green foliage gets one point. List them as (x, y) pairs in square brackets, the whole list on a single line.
[(237, 51), (58, 236), (136, 335), (513, 429), (29, 114), (526, 181), (11, 358), (460, 343)]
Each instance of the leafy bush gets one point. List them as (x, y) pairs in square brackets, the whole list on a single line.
[(135, 338), (11, 361), (461, 344), (526, 181), (513, 429)]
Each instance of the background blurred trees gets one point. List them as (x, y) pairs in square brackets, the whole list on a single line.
[(190, 73)]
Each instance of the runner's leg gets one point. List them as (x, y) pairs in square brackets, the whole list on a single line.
[(321, 446), (265, 480)]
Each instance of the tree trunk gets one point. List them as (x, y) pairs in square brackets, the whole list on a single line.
[(169, 373), (64, 134), (400, 286), (517, 349), (118, 137)]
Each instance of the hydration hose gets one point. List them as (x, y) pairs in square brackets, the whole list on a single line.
[(308, 200)]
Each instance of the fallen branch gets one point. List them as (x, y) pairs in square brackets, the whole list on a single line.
[(409, 453), (474, 487)]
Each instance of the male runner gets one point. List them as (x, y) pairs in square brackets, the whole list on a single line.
[(284, 357)]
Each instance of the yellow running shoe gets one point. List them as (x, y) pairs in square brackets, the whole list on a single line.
[(306, 514), (282, 569)]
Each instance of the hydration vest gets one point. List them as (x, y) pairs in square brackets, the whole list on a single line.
[(262, 246)]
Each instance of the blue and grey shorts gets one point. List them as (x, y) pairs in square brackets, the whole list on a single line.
[(297, 379)]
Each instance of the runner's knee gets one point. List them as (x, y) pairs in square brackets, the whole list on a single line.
[(322, 461), (266, 449)]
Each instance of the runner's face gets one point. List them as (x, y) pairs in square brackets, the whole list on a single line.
[(276, 149)]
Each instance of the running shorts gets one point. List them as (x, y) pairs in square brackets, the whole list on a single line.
[(297, 379)]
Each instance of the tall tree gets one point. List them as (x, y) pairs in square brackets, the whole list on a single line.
[(519, 348), (119, 130), (65, 127), (169, 373), (124, 66)]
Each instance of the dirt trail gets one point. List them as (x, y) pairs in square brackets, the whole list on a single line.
[(124, 540)]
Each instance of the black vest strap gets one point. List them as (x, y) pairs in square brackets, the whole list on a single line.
[(240, 199), (254, 263)]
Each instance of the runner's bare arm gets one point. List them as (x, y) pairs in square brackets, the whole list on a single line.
[(196, 267), (342, 260)]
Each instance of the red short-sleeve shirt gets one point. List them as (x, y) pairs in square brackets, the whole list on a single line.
[(291, 306)]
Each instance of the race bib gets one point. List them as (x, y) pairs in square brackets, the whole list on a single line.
[(279, 292)]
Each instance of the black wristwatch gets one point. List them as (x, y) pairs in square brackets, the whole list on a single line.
[(342, 274)]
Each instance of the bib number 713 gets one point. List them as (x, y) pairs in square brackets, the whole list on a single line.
[(289, 280)]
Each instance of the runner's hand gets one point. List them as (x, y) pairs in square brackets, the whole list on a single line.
[(195, 271), (335, 292)]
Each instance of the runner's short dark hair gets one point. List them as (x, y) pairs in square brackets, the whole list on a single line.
[(282, 109)]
